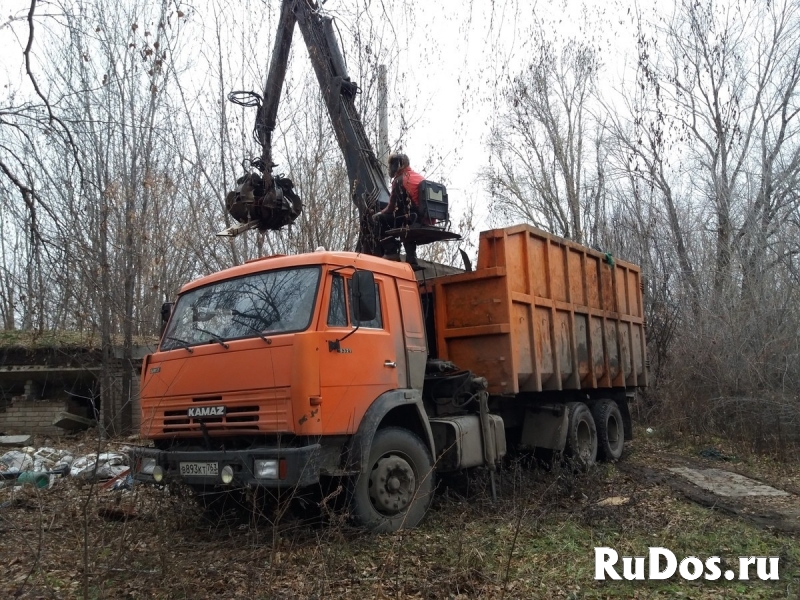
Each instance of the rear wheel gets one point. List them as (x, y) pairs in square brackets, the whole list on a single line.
[(610, 429), (581, 436), (396, 490)]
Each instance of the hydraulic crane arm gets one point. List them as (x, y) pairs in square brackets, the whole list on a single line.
[(267, 202), (367, 180), (268, 111), (263, 201)]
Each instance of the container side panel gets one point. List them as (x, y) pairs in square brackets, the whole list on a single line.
[(582, 347), (598, 355), (620, 275), (521, 324), (488, 356), (636, 355), (538, 266), (612, 349), (544, 347), (517, 263), (642, 352), (636, 351), (474, 303), (607, 287), (592, 281), (634, 294), (625, 348), (563, 338), (577, 290), (558, 275), (491, 251)]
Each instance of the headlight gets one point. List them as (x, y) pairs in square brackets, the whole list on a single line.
[(147, 465), (158, 474), (226, 474), (266, 469)]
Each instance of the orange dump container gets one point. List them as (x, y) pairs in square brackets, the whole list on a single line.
[(542, 313)]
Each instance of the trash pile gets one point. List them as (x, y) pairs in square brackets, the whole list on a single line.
[(42, 467)]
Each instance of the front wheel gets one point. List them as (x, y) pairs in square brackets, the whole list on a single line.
[(396, 490)]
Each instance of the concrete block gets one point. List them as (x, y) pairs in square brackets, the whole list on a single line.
[(15, 440), (69, 421)]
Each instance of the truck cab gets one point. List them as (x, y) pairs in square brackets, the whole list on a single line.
[(281, 370)]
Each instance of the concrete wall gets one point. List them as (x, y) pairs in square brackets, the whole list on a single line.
[(25, 416), (37, 385)]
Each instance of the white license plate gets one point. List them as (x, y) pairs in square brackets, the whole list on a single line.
[(199, 468)]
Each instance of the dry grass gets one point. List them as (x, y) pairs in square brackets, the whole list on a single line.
[(536, 542)]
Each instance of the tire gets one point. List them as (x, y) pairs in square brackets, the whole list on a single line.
[(581, 436), (610, 430), (397, 489)]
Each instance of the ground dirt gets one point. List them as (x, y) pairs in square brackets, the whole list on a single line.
[(80, 539), (725, 488)]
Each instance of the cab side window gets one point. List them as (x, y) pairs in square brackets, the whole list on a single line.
[(337, 311), (341, 297)]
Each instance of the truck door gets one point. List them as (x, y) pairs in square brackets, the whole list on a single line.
[(368, 361)]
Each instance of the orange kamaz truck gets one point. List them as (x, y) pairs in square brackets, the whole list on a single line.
[(290, 369)]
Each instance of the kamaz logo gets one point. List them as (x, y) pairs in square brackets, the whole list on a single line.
[(206, 411)]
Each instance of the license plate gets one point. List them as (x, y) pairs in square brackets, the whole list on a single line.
[(199, 468)]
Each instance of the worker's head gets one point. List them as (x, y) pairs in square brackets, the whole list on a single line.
[(396, 163)]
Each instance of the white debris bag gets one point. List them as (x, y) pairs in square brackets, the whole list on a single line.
[(64, 461), (45, 459), (82, 464), (109, 464), (49, 454), (15, 462)]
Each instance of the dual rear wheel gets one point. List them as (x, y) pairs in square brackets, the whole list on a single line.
[(596, 433)]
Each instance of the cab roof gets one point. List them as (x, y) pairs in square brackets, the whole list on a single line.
[(364, 262)]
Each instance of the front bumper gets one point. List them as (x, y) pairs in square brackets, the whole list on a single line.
[(301, 465)]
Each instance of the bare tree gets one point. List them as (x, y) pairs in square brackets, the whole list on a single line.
[(725, 93), (706, 160), (546, 149)]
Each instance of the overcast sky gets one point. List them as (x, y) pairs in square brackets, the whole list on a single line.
[(459, 78), (449, 61)]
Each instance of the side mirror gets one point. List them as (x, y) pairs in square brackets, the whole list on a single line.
[(166, 311), (363, 296)]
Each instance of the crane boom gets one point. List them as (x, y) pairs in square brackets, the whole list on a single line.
[(263, 201)]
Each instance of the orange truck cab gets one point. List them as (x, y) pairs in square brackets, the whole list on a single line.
[(265, 377), (289, 369)]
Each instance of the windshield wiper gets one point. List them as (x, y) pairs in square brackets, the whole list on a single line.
[(181, 343), (258, 332), (214, 337)]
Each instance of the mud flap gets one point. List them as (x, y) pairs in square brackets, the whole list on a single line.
[(357, 451)]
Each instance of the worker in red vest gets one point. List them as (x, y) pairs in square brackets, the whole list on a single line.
[(402, 210)]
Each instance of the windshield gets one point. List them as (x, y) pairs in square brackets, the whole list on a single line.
[(265, 303)]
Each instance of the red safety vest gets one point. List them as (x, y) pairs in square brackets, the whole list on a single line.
[(411, 180)]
